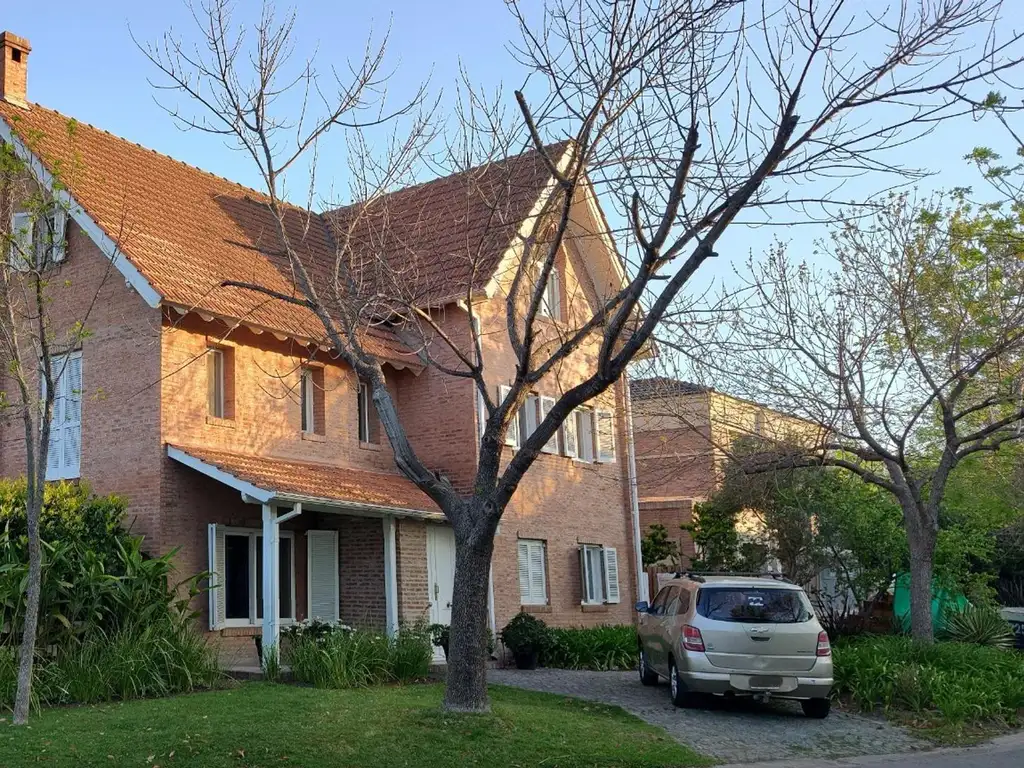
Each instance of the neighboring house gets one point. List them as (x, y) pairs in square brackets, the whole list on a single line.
[(682, 432), (214, 412)]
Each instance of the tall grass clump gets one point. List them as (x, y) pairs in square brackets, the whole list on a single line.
[(112, 623), (600, 648), (338, 656), (955, 683)]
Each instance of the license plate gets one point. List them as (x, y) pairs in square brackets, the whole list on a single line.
[(765, 681)]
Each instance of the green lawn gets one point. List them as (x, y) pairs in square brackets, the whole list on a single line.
[(262, 724)]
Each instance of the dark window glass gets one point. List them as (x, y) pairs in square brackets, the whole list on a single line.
[(236, 577), (284, 570), (762, 605)]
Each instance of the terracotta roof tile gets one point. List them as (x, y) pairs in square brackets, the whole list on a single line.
[(188, 231), (321, 481), (662, 386)]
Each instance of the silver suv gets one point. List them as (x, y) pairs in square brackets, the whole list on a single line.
[(735, 636)]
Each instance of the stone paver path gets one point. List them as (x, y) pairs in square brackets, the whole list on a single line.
[(735, 732)]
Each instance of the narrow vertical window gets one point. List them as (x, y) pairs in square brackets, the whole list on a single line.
[(307, 397), (585, 434), (369, 425), (215, 382)]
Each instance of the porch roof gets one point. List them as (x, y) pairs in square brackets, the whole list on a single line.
[(268, 480)]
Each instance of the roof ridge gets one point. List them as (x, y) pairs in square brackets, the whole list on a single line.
[(450, 176), (158, 153)]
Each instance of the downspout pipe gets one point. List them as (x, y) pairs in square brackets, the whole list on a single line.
[(642, 591)]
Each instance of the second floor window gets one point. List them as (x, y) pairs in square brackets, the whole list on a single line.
[(37, 243), (64, 457), (551, 300), (311, 400), (220, 382), (369, 426)]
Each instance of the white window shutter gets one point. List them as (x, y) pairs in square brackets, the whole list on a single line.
[(528, 418), (538, 580), (21, 250), (524, 572), (512, 433), (546, 404), (215, 583), (584, 581), (569, 441), (605, 435), (60, 224), (554, 295), (72, 425), (322, 581), (585, 434), (611, 574)]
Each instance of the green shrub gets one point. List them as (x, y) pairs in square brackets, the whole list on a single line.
[(154, 659), (956, 682), (980, 625), (348, 658), (600, 648), (525, 633), (95, 576)]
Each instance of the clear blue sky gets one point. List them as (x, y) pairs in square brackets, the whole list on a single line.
[(84, 63)]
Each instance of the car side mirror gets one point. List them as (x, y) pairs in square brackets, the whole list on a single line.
[(642, 606)]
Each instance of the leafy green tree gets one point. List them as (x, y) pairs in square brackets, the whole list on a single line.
[(656, 547), (906, 360)]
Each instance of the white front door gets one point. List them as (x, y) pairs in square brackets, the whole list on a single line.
[(440, 574)]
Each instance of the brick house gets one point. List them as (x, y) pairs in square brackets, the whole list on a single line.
[(681, 431), (228, 426)]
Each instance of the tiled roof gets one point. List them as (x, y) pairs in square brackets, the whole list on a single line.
[(187, 231), (444, 236), (661, 386), (320, 481)]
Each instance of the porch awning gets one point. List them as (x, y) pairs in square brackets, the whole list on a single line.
[(268, 480)]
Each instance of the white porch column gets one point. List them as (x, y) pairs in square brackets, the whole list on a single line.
[(271, 583), (390, 575)]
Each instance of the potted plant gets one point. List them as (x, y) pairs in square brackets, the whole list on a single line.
[(526, 637), (440, 634)]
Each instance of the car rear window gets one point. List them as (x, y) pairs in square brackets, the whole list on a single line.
[(754, 604)]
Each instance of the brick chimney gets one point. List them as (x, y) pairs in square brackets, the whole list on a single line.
[(14, 69)]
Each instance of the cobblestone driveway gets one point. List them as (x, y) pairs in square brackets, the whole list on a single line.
[(732, 732)]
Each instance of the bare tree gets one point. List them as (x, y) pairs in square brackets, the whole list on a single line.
[(909, 356), (38, 340), (679, 115)]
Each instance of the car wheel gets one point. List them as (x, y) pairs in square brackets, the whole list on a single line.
[(816, 708), (680, 696), (647, 675)]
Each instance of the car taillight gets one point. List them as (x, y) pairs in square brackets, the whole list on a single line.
[(692, 641), (824, 648)]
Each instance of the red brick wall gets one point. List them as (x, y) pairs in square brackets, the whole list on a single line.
[(267, 418), (413, 585), (670, 513), (120, 378), (675, 463)]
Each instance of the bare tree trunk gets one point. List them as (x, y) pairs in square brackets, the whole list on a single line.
[(921, 543), (466, 689), (23, 698)]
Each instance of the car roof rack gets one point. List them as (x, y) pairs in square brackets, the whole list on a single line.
[(699, 576)]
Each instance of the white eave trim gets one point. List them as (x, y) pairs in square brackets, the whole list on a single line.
[(133, 277), (255, 494)]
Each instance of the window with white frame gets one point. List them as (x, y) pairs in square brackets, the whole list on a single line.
[(512, 433), (369, 424), (240, 568), (306, 400), (584, 434), (599, 571), (533, 585), (37, 242), (20, 248), (604, 434), (215, 382), (551, 298), (64, 457)]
